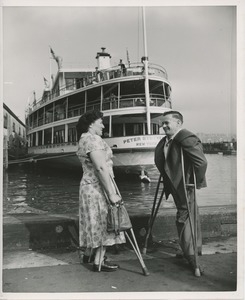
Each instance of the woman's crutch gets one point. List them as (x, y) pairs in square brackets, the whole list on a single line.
[(153, 213), (132, 241), (100, 257), (137, 251), (193, 228)]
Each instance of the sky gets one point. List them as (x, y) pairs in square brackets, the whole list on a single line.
[(195, 44)]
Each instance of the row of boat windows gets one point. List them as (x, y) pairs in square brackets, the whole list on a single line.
[(123, 94), (56, 135), (60, 113)]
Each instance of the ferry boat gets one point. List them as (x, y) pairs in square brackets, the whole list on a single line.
[(132, 98)]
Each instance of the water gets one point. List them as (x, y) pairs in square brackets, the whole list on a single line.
[(56, 192)]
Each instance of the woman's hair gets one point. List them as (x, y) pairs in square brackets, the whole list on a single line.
[(86, 120)]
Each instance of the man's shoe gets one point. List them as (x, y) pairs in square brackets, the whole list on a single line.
[(105, 267)]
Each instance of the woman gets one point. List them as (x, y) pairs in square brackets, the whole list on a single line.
[(95, 156)]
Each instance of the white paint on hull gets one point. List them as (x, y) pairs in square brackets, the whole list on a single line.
[(131, 153)]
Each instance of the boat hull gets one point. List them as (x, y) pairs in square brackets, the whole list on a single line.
[(131, 154)]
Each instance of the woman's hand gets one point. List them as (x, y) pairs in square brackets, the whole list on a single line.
[(114, 198)]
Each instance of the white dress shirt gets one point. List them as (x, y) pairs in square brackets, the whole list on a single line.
[(168, 143)]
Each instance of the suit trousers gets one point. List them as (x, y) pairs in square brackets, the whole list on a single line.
[(183, 222)]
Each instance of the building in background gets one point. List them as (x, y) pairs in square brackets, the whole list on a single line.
[(14, 136)]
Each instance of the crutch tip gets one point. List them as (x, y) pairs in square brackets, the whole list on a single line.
[(197, 272), (144, 251), (145, 271)]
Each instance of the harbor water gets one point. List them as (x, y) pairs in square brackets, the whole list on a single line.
[(56, 192)]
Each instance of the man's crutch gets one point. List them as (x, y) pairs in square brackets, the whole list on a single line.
[(153, 212), (193, 228)]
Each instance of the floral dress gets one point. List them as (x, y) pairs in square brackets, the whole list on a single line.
[(93, 207)]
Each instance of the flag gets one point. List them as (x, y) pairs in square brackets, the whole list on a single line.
[(46, 82), (52, 53), (58, 59), (128, 58)]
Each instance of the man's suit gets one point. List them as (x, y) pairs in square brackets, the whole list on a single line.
[(171, 171)]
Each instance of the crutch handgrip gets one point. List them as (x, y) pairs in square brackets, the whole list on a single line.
[(190, 184)]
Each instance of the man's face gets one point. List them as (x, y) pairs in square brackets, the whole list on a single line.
[(170, 125)]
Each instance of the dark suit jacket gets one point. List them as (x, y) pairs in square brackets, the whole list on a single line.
[(171, 168)]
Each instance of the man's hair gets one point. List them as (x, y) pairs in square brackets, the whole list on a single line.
[(175, 114), (86, 120)]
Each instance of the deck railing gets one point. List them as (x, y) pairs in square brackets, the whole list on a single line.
[(107, 104), (135, 69)]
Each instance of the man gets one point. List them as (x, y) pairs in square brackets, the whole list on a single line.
[(123, 68), (168, 160)]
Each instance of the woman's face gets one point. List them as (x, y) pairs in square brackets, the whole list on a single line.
[(97, 127)]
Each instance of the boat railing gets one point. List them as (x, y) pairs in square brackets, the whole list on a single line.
[(134, 69), (110, 103)]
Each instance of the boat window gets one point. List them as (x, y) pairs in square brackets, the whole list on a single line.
[(132, 94), (167, 90), (134, 129), (155, 129), (40, 137), (79, 83), (49, 113), (134, 88), (110, 102), (35, 121), (60, 110), (110, 91), (70, 84), (47, 136), (72, 134), (76, 105), (41, 116), (33, 139), (117, 130), (94, 94), (156, 87), (59, 134), (93, 99)]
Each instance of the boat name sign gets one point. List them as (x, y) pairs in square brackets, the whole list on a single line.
[(134, 141)]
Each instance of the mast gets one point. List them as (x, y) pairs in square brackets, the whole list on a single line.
[(147, 93)]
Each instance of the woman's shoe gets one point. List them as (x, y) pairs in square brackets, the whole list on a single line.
[(105, 267), (88, 259)]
